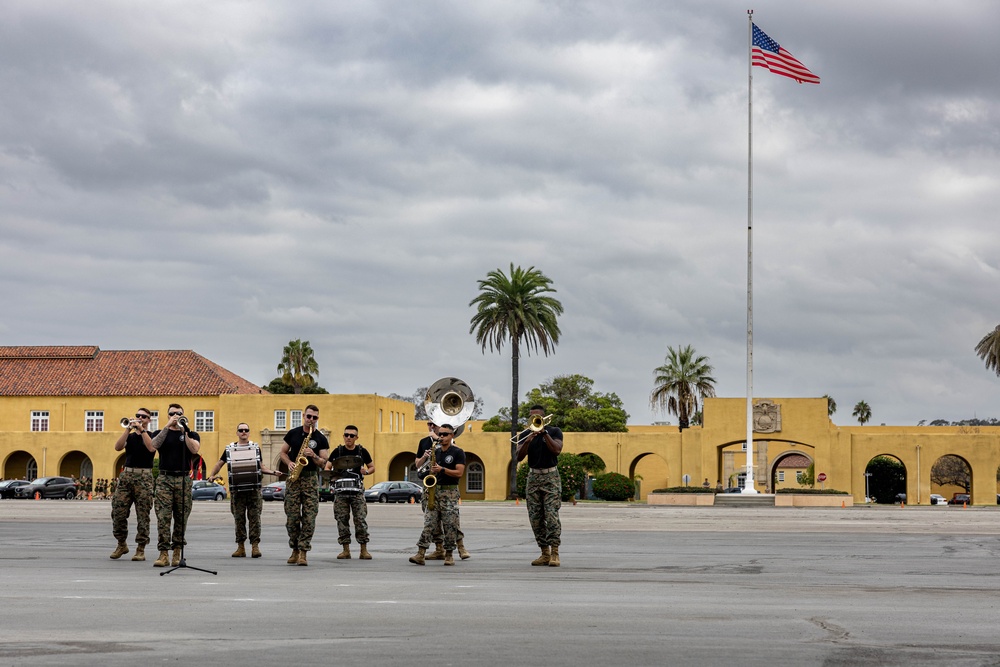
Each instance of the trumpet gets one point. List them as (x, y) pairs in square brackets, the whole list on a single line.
[(127, 423), (535, 425), (183, 423)]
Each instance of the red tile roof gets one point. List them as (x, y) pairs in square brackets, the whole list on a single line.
[(89, 371), (794, 461)]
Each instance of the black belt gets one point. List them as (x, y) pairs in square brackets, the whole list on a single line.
[(545, 470), (174, 473), (128, 469)]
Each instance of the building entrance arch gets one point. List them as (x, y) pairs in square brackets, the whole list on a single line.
[(951, 474), (784, 470), (886, 475)]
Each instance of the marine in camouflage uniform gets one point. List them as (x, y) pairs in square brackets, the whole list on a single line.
[(345, 503), (423, 447), (172, 499), (544, 488), (302, 495), (245, 504), (449, 466), (135, 487)]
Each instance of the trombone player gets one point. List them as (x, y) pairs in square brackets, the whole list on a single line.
[(543, 492)]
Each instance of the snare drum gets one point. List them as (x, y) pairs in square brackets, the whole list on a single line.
[(349, 485), (244, 469)]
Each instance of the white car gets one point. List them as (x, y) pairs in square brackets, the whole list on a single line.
[(938, 499)]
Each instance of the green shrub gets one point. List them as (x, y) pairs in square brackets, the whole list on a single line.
[(683, 489), (613, 486)]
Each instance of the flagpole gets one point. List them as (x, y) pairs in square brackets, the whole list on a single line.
[(749, 486)]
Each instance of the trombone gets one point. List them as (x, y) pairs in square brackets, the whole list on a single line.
[(535, 425)]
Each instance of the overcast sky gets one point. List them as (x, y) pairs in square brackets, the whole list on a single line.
[(226, 177)]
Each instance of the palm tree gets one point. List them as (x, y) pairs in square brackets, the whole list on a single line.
[(989, 350), (831, 405), (516, 308), (298, 365), (679, 382), (863, 412)]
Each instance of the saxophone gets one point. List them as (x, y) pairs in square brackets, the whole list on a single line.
[(301, 461), (430, 482)]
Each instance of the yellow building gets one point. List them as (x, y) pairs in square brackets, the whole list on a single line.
[(60, 408)]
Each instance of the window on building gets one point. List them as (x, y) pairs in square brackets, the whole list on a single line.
[(280, 420), (39, 421), (296, 419), (154, 420), (402, 422), (94, 422), (204, 421), (781, 475), (475, 478)]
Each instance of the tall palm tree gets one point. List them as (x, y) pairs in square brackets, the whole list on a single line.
[(863, 412), (831, 405), (677, 384), (988, 350), (516, 308), (298, 365)]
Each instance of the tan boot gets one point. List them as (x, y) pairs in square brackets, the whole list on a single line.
[(119, 551), (554, 558), (240, 552), (140, 552), (176, 560), (437, 554), (345, 554), (254, 551), (544, 559), (448, 560), (294, 558), (419, 558), (163, 560), (364, 553), (302, 558), (462, 552)]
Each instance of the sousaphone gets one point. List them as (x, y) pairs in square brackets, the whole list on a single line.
[(450, 401)]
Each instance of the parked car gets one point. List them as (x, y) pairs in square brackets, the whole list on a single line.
[(937, 499), (275, 491), (900, 498), (49, 487), (203, 489), (7, 487), (395, 492), (960, 499)]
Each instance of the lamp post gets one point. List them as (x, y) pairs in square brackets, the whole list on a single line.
[(867, 475)]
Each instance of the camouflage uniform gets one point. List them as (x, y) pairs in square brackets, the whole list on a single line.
[(438, 534), (246, 507), (135, 485), (544, 498), (445, 516), (343, 505), (301, 508), (173, 501)]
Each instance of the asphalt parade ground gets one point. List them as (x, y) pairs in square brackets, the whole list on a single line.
[(639, 585)]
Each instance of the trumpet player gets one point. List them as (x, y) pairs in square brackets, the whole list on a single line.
[(449, 466), (135, 486), (423, 455), (302, 489), (176, 444), (544, 488)]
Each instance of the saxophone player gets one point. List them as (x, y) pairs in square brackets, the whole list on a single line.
[(448, 467), (303, 443), (423, 456)]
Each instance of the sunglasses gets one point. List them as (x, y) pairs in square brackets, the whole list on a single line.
[(350, 435), (444, 433), (138, 416), (310, 417), (175, 414), (242, 430)]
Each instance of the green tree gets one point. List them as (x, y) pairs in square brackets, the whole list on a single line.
[(863, 412), (679, 382), (888, 477), (575, 406), (298, 366), (951, 470), (808, 478), (988, 350), (516, 308), (831, 405), (278, 386)]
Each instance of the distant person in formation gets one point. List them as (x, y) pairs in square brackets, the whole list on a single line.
[(423, 454), (302, 487), (245, 504), (176, 444), (135, 486), (449, 466), (353, 502), (544, 488)]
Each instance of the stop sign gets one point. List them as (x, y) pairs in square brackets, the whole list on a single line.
[(821, 477)]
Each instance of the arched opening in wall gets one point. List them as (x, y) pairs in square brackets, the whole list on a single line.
[(119, 465), (20, 465), (198, 467), (76, 464), (886, 477), (951, 475), (593, 465), (473, 482), (401, 468), (649, 471), (788, 471)]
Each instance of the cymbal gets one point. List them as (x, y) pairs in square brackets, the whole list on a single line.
[(347, 462)]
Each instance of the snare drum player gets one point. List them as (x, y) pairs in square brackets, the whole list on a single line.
[(449, 466), (347, 503), (176, 444), (246, 505), (302, 494), (135, 485)]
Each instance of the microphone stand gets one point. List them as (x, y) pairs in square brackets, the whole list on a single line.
[(183, 562)]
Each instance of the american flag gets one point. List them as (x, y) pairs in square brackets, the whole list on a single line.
[(768, 53)]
